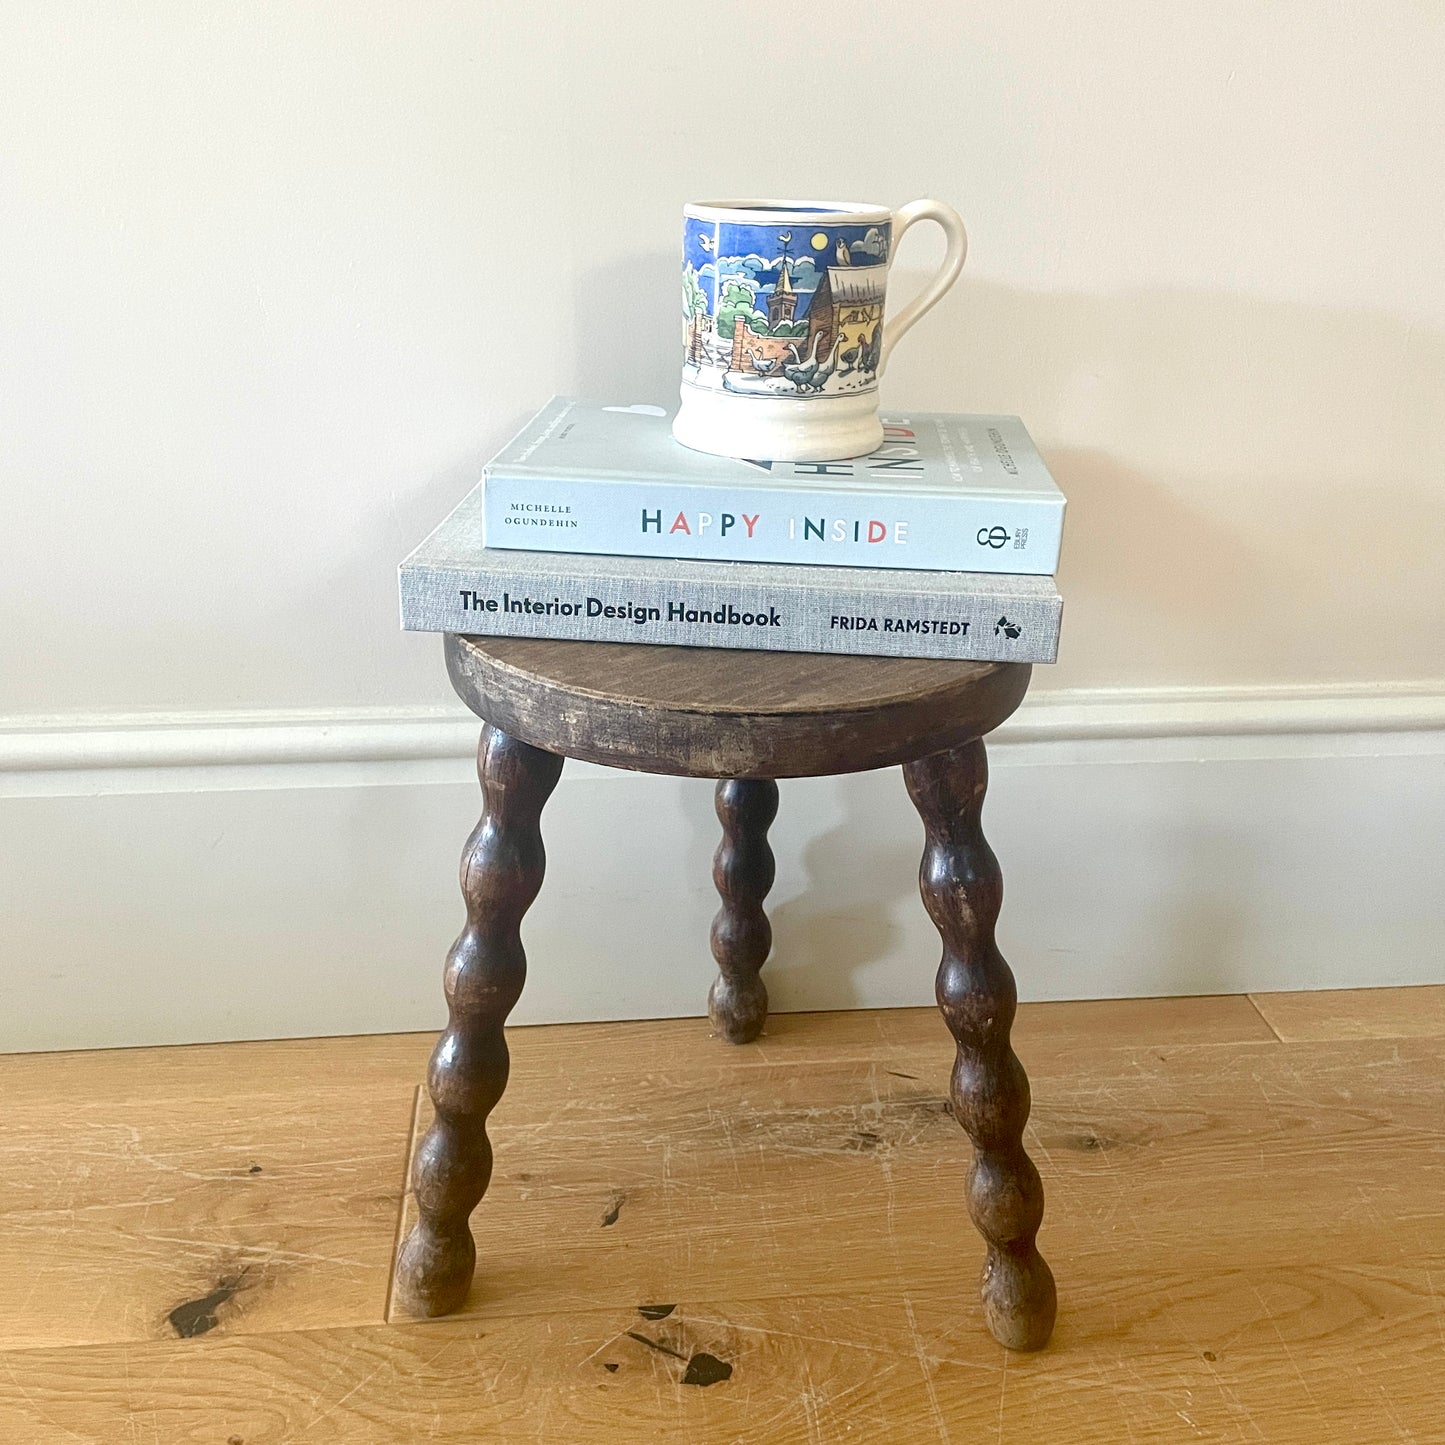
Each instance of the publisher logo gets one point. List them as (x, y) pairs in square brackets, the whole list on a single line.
[(992, 536), (1004, 628)]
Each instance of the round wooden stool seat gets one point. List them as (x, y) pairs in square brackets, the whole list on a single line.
[(719, 713)]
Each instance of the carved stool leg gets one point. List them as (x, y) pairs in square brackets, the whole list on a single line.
[(962, 889), (743, 871), (501, 873)]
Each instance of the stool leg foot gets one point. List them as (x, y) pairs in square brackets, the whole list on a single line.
[(962, 889), (743, 871), (501, 874)]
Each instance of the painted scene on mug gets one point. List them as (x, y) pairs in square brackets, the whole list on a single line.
[(783, 311)]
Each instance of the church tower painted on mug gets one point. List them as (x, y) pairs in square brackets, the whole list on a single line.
[(784, 300)]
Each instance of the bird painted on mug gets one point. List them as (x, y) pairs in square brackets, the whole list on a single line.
[(805, 362), (872, 350), (845, 256), (706, 242), (827, 366)]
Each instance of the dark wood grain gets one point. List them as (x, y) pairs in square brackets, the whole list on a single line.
[(501, 873), (722, 713), (962, 889), (743, 870)]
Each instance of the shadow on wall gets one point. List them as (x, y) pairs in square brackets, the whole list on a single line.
[(627, 339), (1205, 924), (857, 880), (1179, 891)]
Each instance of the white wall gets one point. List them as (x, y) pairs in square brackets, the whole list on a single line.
[(275, 278)]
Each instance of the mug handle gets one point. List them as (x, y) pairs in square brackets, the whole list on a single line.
[(953, 258)]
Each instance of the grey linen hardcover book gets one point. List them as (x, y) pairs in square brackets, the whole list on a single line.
[(453, 584)]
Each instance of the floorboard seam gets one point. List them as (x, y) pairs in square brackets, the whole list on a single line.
[(401, 1203), (1268, 1022)]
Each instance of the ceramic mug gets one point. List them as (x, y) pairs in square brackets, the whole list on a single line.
[(784, 336)]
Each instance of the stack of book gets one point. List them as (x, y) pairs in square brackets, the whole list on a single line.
[(594, 524)]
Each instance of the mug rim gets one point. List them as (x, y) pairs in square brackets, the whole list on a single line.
[(762, 212)]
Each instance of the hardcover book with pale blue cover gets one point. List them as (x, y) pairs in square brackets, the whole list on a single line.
[(944, 492)]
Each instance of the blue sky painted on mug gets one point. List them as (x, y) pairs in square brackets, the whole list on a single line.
[(755, 252)]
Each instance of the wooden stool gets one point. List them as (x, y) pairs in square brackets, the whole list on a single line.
[(746, 718)]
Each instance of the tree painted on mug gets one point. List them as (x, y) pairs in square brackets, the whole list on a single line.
[(737, 300), (694, 301)]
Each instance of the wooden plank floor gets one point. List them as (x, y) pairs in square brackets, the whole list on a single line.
[(1246, 1214)]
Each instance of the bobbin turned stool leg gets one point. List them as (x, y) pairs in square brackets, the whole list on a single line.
[(743, 871), (962, 889), (501, 873)]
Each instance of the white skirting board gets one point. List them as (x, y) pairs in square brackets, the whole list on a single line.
[(201, 877)]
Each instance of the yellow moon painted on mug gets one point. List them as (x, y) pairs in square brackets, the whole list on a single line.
[(820, 241)]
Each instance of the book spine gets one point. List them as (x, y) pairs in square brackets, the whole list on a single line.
[(976, 626), (966, 532)]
